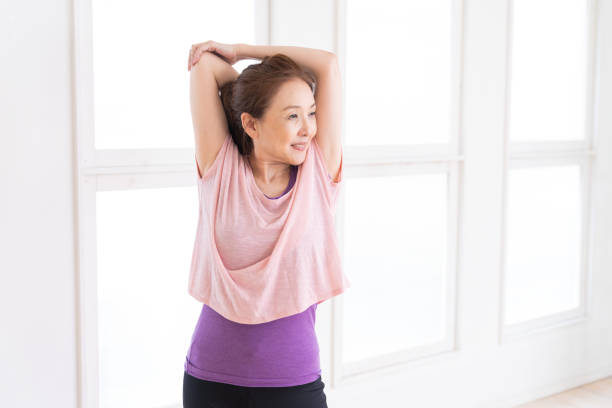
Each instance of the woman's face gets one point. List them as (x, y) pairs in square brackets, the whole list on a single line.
[(290, 119)]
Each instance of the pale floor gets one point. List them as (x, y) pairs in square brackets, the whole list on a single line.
[(597, 394)]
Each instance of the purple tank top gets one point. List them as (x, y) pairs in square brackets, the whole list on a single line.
[(279, 353)]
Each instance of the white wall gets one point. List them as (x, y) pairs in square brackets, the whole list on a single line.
[(37, 259)]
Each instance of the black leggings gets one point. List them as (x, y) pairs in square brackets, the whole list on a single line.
[(198, 393)]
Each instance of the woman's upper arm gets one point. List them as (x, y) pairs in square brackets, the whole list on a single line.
[(328, 97), (209, 122)]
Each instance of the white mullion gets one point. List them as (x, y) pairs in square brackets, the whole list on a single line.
[(455, 182), (586, 186), (455, 145), (518, 331), (560, 148), (336, 368), (592, 78), (83, 110), (542, 160), (381, 154)]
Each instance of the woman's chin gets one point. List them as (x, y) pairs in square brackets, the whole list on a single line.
[(296, 159)]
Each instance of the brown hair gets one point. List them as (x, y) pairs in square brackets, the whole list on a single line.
[(253, 90)]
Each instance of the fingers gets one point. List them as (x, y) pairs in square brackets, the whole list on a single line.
[(201, 50), (197, 50), (194, 54), (190, 61)]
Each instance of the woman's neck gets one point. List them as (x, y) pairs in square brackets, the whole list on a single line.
[(269, 173)]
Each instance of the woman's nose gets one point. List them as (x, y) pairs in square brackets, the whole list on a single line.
[(308, 127)]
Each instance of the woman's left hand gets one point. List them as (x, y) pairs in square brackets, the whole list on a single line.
[(228, 52)]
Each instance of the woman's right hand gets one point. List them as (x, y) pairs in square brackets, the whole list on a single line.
[(228, 52)]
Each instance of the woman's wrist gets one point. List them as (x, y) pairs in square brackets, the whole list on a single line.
[(243, 51)]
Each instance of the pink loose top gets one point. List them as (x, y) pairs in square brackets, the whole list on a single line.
[(255, 259)]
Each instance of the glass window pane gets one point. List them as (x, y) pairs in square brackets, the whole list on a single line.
[(140, 51), (396, 258), (398, 71), (145, 316), (548, 77), (543, 242)]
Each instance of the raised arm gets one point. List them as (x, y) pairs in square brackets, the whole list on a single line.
[(315, 60), (209, 123), (328, 94)]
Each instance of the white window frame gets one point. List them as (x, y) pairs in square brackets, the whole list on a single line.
[(553, 153), (393, 160)]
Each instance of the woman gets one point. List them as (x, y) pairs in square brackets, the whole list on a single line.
[(269, 166)]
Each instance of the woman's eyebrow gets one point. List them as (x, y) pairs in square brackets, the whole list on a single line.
[(296, 106)]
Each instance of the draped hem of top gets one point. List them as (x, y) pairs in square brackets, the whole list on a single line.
[(304, 264), (288, 312)]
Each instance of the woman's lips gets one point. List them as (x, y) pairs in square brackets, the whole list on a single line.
[(299, 146)]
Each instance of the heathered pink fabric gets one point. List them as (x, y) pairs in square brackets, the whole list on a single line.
[(256, 260)]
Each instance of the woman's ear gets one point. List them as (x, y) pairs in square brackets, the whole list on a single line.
[(249, 125)]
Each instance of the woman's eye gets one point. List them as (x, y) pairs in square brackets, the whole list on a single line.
[(294, 115)]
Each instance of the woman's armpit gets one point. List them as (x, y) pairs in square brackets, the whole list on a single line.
[(323, 168), (211, 169)]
